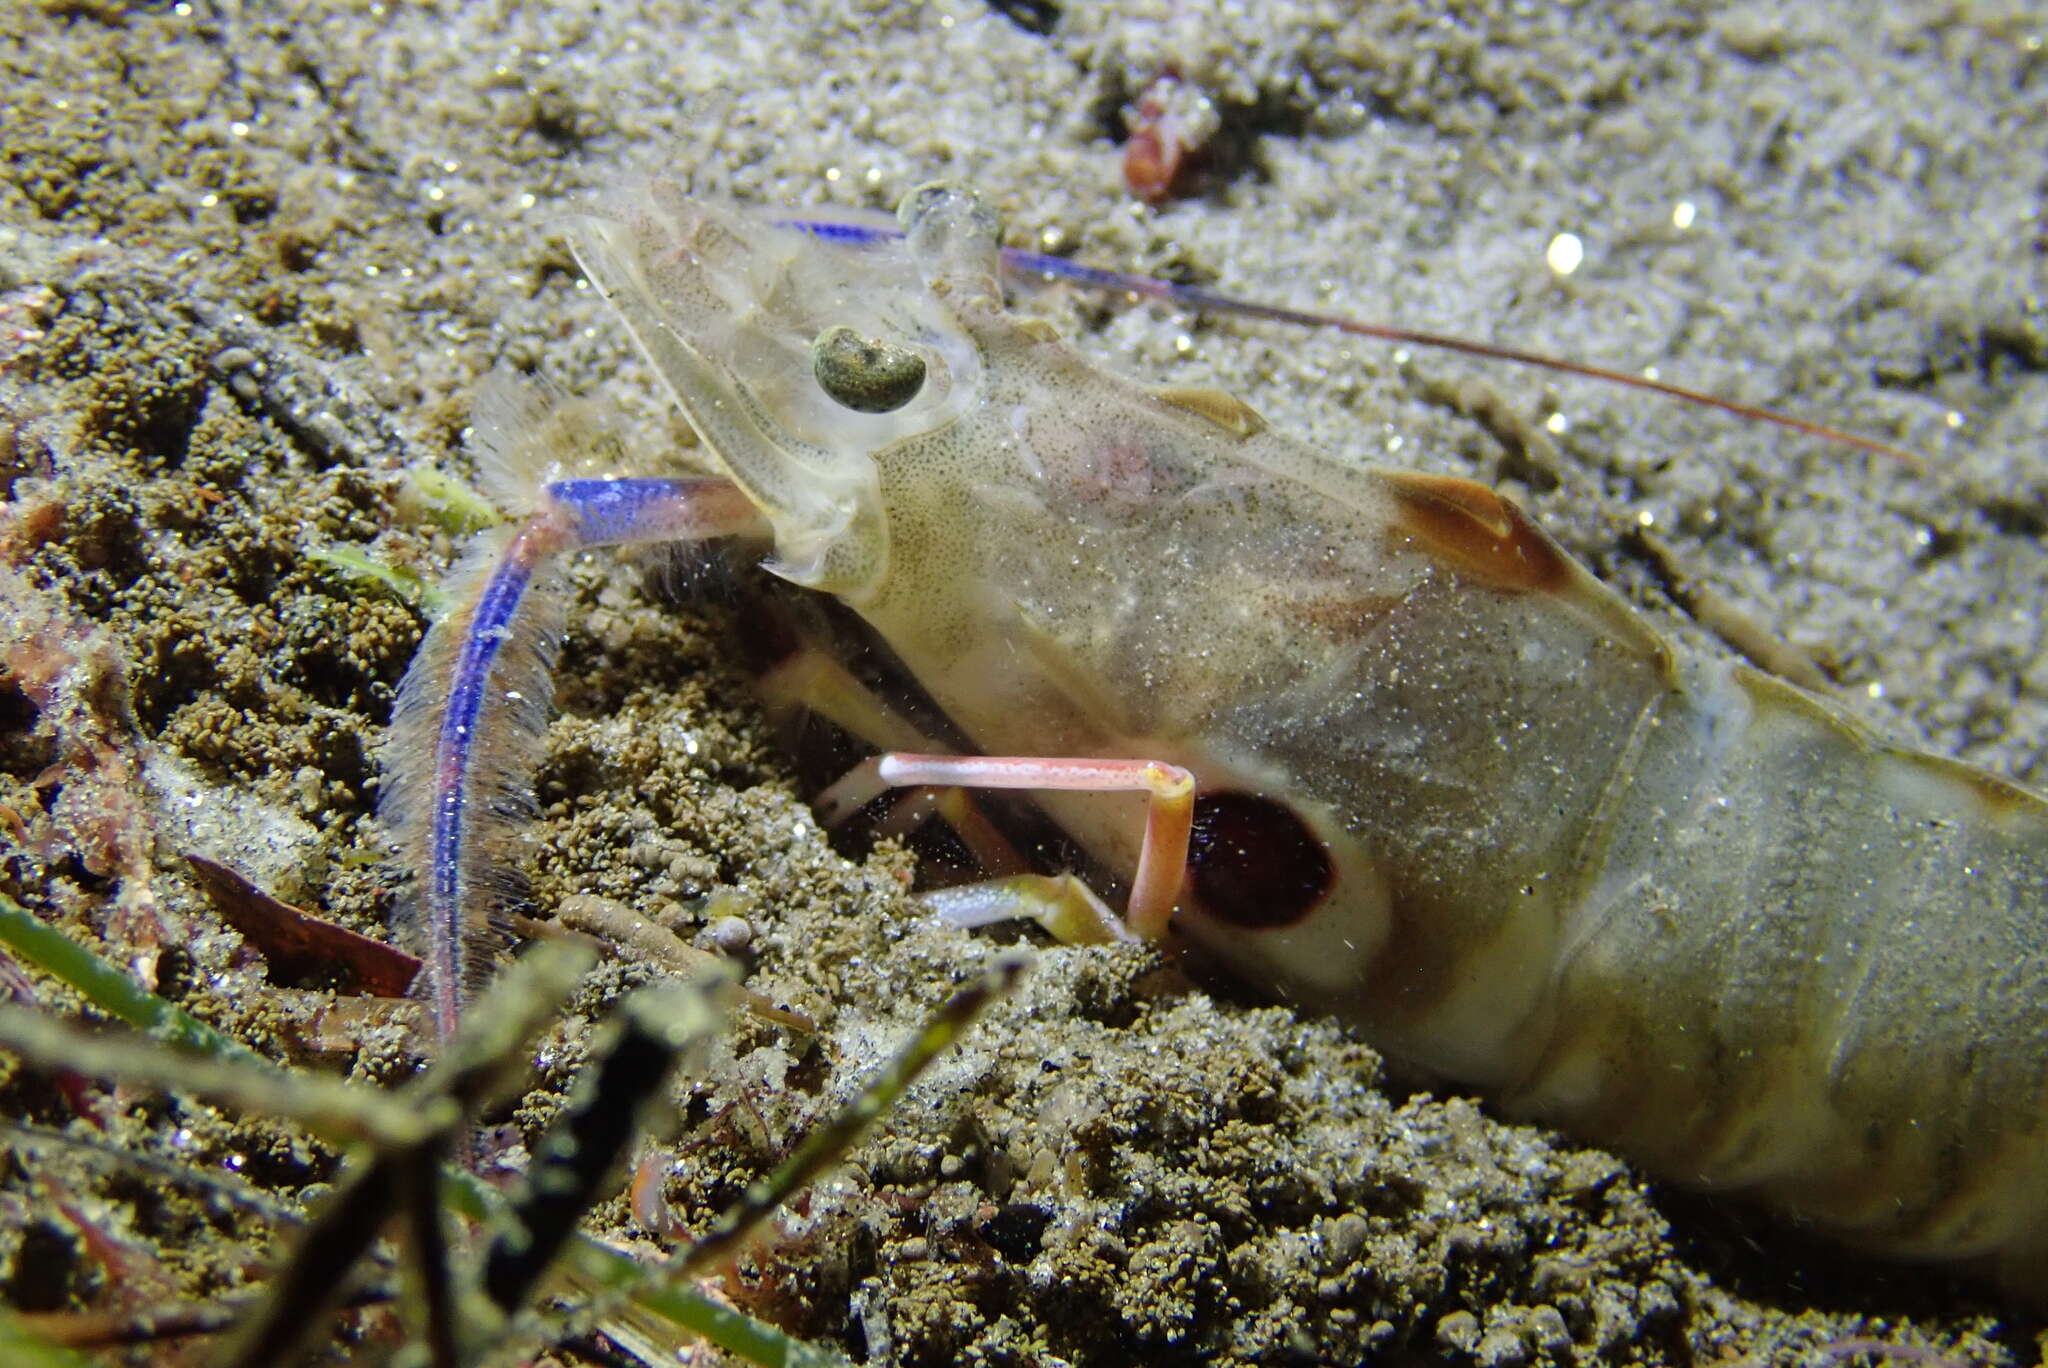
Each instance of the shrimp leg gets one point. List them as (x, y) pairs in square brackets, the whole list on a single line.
[(1169, 820), (1064, 905)]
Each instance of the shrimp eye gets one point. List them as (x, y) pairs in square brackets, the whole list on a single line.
[(864, 375)]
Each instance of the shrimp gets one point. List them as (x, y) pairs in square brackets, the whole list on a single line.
[(1445, 784)]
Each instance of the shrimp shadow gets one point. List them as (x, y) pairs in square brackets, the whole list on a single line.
[(1772, 1262)]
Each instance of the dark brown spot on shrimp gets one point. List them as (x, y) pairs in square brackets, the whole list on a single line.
[(1479, 532), (1253, 863)]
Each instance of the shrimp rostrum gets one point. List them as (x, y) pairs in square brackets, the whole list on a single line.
[(1444, 782)]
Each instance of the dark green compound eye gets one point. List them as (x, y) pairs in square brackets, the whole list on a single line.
[(864, 375)]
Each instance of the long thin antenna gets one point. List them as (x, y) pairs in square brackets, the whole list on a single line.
[(1025, 264)]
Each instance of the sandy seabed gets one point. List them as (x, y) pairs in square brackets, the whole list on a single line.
[(255, 260)]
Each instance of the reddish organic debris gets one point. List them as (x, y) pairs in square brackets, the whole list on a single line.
[(298, 944), (95, 791), (1170, 128)]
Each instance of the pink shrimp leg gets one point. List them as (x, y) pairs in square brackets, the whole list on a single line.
[(1169, 821)]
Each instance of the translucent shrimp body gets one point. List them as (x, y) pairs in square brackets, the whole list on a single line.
[(1450, 786)]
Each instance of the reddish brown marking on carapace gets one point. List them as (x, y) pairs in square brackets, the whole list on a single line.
[(1479, 532), (1343, 617)]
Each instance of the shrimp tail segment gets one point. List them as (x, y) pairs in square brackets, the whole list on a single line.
[(466, 727)]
